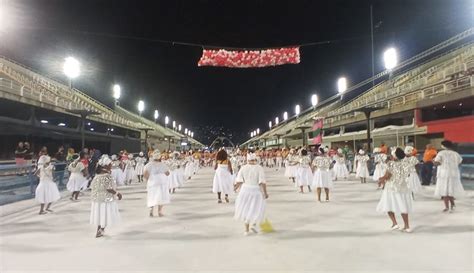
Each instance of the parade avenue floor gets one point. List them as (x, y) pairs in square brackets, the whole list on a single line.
[(199, 235)]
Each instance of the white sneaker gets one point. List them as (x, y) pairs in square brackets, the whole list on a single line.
[(246, 233), (395, 227), (254, 229), (406, 230)]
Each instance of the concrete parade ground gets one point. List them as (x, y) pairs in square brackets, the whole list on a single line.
[(199, 235)]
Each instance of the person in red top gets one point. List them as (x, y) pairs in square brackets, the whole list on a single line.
[(383, 148)]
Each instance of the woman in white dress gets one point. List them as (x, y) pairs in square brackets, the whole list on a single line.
[(448, 177), (140, 164), (396, 196), (380, 160), (104, 207), (362, 171), (47, 191), (291, 165), (156, 175), (322, 174), (250, 202), (77, 177), (173, 164), (340, 168), (117, 171), (129, 169), (411, 161), (189, 168), (222, 182), (304, 174)]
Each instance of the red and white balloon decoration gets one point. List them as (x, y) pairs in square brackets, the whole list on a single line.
[(250, 58)]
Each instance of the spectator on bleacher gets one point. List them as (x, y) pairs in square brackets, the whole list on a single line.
[(20, 158), (70, 154), (383, 148), (60, 166), (427, 170), (28, 156)]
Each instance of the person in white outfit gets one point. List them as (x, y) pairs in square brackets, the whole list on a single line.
[(291, 165), (340, 169), (411, 161), (448, 177), (362, 170), (117, 170), (156, 176), (77, 177), (252, 192), (304, 173), (223, 182), (130, 170), (104, 207), (322, 174), (139, 165), (380, 160), (396, 196), (47, 191)]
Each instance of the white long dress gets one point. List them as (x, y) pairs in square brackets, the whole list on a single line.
[(380, 167), (117, 173), (322, 175), (414, 183), (179, 173), (304, 174), (340, 169), (129, 171), (157, 185), (140, 164), (189, 168), (250, 202), (77, 180), (362, 171), (223, 181), (291, 166), (448, 178), (396, 196), (104, 207), (47, 191), (173, 177)]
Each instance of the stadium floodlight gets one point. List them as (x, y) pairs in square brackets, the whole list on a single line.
[(270, 124), (285, 115), (314, 100), (174, 124), (117, 92), (390, 58), (71, 67), (179, 127), (277, 120), (156, 115), (167, 120), (185, 131), (297, 109), (192, 134), (141, 106), (258, 131), (341, 85)]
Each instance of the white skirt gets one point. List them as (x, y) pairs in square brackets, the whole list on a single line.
[(223, 181), (139, 169), (304, 176), (291, 171), (129, 174), (47, 192), (188, 170), (322, 179), (179, 173), (379, 171), (173, 179), (449, 186), (414, 183), (158, 190), (119, 176), (340, 170), (76, 182), (362, 171), (104, 214), (395, 202), (250, 205)]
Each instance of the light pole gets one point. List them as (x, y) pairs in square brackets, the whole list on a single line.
[(72, 69), (390, 58), (117, 91), (341, 85), (141, 107)]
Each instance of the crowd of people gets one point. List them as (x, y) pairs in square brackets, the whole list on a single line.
[(243, 172)]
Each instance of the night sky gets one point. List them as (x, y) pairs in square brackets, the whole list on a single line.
[(117, 42)]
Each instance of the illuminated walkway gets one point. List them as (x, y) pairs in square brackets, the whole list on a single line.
[(199, 234)]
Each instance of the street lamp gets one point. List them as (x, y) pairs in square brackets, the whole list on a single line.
[(179, 127), (297, 109), (72, 69), (141, 107), (185, 131), (285, 115), (277, 120), (167, 120), (341, 85), (174, 124), (270, 124), (390, 58), (117, 92), (258, 131), (314, 100)]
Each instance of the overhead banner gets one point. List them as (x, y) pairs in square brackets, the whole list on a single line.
[(250, 58), (317, 131)]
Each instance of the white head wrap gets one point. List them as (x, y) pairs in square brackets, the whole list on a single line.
[(251, 156), (113, 157), (377, 150), (44, 159), (361, 152), (130, 156), (339, 150), (409, 150), (104, 161), (326, 149), (140, 153)]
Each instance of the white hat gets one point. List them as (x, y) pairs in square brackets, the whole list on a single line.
[(113, 157), (140, 153), (130, 156), (104, 161), (251, 157), (409, 150), (339, 150), (377, 150), (326, 149), (361, 152), (44, 159)]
